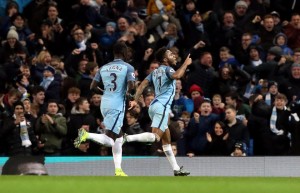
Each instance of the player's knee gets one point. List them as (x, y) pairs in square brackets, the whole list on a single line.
[(157, 137)]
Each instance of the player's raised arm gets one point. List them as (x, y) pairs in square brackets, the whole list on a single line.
[(180, 72)]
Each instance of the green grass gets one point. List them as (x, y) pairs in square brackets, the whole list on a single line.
[(139, 184)]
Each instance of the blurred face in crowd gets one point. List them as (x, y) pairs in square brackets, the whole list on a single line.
[(240, 10), (230, 114), (205, 108), (12, 99), (280, 41), (217, 101), (18, 22), (96, 99), (218, 129), (19, 110), (130, 119), (246, 41), (11, 42), (195, 94), (39, 98), (273, 89), (137, 108), (230, 101), (52, 108), (82, 66), (196, 18), (224, 55), (178, 86), (254, 54), (228, 19), (52, 12), (296, 57), (27, 105), (122, 24), (78, 35), (296, 72), (295, 21), (269, 24), (206, 60), (225, 73), (190, 6), (73, 97), (148, 99), (85, 106), (280, 103), (153, 66)]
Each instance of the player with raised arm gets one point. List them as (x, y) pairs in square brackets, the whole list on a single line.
[(117, 78), (164, 82)]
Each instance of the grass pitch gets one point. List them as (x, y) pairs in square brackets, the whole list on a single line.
[(141, 184)]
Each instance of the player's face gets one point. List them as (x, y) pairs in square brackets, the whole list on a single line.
[(170, 57)]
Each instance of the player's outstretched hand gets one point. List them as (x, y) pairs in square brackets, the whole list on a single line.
[(132, 104), (188, 60)]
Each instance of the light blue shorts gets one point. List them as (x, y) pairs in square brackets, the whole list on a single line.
[(159, 115), (112, 119)]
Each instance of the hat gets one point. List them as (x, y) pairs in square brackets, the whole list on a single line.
[(143, 12), (272, 83), (241, 4), (195, 12), (49, 68), (295, 65), (112, 24), (47, 22), (195, 87), (275, 50), (12, 33), (275, 13), (239, 145)]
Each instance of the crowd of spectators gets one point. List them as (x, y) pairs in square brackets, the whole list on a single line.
[(240, 97)]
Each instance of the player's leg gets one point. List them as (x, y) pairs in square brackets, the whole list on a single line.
[(156, 113), (116, 133), (109, 118), (83, 135), (166, 145)]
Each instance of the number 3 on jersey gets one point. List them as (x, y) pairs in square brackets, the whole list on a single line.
[(113, 81)]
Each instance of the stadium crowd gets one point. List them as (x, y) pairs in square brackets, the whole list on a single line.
[(240, 96)]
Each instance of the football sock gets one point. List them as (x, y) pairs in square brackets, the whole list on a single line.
[(170, 155), (102, 139), (142, 137), (117, 152)]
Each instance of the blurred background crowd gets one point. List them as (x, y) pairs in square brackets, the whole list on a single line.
[(240, 97)]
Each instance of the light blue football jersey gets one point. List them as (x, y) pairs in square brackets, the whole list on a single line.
[(115, 76), (164, 85)]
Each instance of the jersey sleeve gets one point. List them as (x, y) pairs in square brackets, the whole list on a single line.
[(98, 76), (169, 72), (130, 73), (149, 77)]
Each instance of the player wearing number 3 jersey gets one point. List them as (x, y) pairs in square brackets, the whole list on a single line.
[(116, 77)]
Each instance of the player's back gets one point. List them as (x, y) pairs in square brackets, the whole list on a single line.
[(114, 76), (164, 85)]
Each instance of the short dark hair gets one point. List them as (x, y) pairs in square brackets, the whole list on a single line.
[(120, 49), (160, 54), (37, 89)]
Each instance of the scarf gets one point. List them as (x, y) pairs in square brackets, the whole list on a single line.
[(268, 99), (159, 5), (172, 41), (273, 122), (200, 27), (46, 82), (24, 133), (81, 45)]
